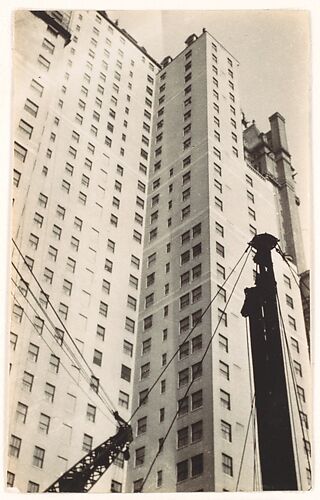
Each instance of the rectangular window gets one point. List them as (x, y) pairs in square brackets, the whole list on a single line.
[(217, 153), (48, 275), (10, 479), (185, 257), (44, 423), (67, 287), (38, 457), (287, 281), (219, 229), (218, 185), (37, 87), (16, 178), (223, 343), (196, 400), (123, 399), (297, 368), (221, 272), (141, 426), (196, 250), (129, 324), (31, 107), (196, 271), (196, 294), (196, 465), (94, 384), (33, 352), (14, 446), (145, 371), (183, 406), (146, 346), (33, 241), (182, 470), (43, 200), (138, 236), (184, 350), (63, 310), (65, 186), (49, 392), (147, 322), (127, 348), (125, 373), (222, 316), (185, 212), (183, 377), (184, 301), (292, 322), (301, 394), (13, 340), (220, 249), (225, 399), (196, 371), (21, 413), (101, 332), (87, 443), (218, 203), (196, 343), (97, 357), (54, 363), (185, 278), (149, 300), (289, 301), (26, 128), (38, 324), (184, 325), (139, 456), (226, 431), (183, 437), (295, 345), (227, 464), (224, 370)]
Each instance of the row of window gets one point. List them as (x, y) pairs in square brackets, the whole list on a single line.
[(32, 487), (96, 31), (15, 448)]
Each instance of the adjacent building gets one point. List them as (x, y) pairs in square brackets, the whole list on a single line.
[(136, 190), (82, 125), (211, 189)]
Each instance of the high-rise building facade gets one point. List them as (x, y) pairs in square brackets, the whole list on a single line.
[(83, 109), (135, 193), (206, 200)]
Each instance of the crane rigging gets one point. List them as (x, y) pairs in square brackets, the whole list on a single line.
[(271, 396)]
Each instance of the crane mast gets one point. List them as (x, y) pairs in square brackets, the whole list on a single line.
[(82, 476), (277, 460)]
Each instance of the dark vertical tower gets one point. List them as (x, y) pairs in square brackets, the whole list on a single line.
[(274, 426)]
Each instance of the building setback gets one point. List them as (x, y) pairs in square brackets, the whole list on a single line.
[(135, 193)]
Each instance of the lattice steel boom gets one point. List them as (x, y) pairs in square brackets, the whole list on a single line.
[(84, 474)]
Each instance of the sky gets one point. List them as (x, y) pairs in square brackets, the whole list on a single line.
[(273, 49)]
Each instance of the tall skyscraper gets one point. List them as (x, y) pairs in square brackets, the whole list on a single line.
[(83, 110), (209, 193), (136, 193)]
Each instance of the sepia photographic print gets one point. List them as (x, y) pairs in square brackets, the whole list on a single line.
[(159, 275)]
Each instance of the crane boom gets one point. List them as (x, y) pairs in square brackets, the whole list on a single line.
[(82, 476)]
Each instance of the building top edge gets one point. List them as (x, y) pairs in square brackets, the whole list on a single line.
[(188, 46), (62, 28), (128, 37)]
